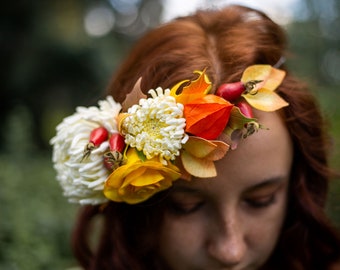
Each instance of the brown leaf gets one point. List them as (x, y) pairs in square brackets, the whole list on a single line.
[(134, 96)]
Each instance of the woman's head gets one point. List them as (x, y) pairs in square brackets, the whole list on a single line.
[(224, 42), (235, 218), (268, 194)]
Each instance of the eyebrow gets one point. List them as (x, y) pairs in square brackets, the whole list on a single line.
[(186, 189), (272, 181)]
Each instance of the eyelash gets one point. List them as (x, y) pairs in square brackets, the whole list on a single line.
[(262, 203), (183, 209)]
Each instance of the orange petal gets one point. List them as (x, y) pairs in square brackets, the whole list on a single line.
[(194, 90), (207, 117)]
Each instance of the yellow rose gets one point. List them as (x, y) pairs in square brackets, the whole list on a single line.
[(138, 180)]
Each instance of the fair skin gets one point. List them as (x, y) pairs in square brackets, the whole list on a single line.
[(232, 221)]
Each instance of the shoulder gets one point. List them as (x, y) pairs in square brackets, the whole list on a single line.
[(335, 266)]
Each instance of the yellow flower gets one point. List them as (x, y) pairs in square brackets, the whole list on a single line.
[(138, 180), (262, 96)]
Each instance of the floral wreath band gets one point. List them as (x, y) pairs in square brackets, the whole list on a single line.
[(128, 152)]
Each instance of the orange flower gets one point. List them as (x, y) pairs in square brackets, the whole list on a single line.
[(207, 117)]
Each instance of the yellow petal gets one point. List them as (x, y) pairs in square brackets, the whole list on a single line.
[(271, 77), (133, 175), (199, 147), (132, 156), (112, 194), (198, 167), (256, 72), (219, 152), (115, 179), (174, 89), (265, 100), (120, 119), (275, 79), (149, 177), (184, 174)]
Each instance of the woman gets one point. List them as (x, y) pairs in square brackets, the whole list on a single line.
[(264, 209)]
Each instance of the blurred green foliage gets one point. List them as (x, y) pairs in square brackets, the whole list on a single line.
[(315, 54), (50, 65), (36, 220)]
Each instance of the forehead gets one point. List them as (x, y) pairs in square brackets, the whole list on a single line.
[(264, 155)]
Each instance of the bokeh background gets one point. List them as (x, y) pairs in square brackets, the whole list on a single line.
[(59, 54)]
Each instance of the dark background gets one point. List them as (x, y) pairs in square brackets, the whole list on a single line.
[(50, 64)]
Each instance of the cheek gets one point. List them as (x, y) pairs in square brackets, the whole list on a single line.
[(264, 230), (180, 241)]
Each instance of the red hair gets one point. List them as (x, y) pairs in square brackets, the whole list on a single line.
[(224, 42)]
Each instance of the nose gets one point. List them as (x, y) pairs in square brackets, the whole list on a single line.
[(227, 243)]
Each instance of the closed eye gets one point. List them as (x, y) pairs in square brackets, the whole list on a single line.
[(265, 193), (261, 202), (185, 208)]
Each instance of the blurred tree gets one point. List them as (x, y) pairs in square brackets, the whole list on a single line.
[(316, 40), (53, 58), (315, 43)]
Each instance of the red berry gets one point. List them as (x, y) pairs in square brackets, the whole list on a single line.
[(117, 142), (114, 158), (231, 91), (245, 109), (97, 137)]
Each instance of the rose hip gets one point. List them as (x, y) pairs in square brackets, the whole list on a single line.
[(114, 158), (245, 109), (117, 142), (231, 91), (97, 137)]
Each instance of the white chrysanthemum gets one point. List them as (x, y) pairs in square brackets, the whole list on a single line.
[(156, 126), (83, 180)]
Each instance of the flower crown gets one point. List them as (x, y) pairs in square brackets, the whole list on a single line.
[(128, 152)]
